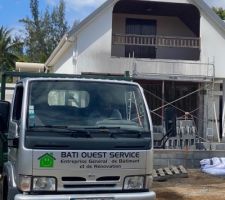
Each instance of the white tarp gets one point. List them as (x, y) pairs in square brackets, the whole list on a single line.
[(213, 166)]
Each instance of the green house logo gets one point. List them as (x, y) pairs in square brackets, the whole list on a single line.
[(47, 160)]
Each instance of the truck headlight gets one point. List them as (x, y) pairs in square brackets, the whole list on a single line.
[(44, 184), (134, 183)]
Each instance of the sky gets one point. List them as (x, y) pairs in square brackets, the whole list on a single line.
[(11, 11)]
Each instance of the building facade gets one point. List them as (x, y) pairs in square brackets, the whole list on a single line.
[(173, 48)]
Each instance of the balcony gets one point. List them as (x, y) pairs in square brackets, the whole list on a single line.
[(156, 41), (156, 30), (156, 47)]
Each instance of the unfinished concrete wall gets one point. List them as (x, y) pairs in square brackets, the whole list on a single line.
[(189, 159)]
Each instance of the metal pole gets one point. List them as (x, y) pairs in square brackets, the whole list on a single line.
[(223, 118), (163, 99), (3, 86), (217, 127)]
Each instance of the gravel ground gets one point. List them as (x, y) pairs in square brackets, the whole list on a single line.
[(198, 186)]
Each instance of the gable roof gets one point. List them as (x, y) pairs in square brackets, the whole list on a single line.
[(70, 36)]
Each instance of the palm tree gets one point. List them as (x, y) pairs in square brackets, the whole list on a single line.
[(8, 48)]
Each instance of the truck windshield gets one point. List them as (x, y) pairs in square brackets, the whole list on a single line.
[(86, 105)]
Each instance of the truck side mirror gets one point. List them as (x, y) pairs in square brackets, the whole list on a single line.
[(4, 116), (170, 121)]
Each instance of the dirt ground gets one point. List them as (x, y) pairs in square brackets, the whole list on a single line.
[(198, 186)]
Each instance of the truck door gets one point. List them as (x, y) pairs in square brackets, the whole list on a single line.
[(16, 115), (4, 125)]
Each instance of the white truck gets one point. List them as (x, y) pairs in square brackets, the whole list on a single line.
[(77, 139)]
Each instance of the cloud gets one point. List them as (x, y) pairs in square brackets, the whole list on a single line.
[(17, 30), (52, 2), (77, 9), (79, 4)]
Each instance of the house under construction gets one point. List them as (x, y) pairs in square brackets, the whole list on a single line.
[(173, 48)]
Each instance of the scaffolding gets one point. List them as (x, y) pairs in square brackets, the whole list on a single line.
[(191, 128)]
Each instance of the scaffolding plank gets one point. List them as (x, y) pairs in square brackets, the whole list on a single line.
[(162, 174), (182, 169), (168, 171), (175, 170)]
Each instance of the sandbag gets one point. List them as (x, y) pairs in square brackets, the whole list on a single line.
[(213, 166)]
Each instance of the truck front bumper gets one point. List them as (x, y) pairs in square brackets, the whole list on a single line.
[(125, 196)]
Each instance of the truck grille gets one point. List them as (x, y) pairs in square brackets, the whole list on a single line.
[(81, 182), (73, 179), (90, 186)]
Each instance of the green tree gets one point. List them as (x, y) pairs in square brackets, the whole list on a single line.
[(220, 12), (19, 49), (43, 31), (9, 49), (58, 21)]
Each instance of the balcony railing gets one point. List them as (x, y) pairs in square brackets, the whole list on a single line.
[(156, 41)]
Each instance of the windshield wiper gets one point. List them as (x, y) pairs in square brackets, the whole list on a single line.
[(102, 129), (115, 130), (66, 129)]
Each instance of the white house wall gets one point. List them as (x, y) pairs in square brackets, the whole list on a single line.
[(213, 45), (94, 44), (65, 63)]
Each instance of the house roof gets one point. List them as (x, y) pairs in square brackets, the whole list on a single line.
[(70, 36), (202, 6)]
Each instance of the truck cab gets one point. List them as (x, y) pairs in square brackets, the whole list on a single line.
[(77, 139)]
